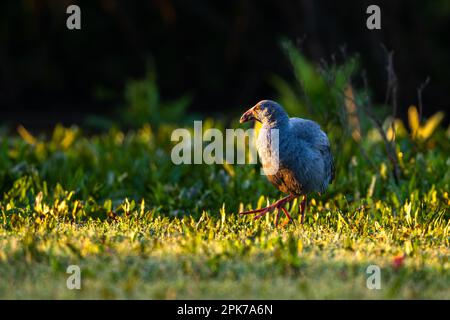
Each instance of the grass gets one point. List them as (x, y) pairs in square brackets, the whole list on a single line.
[(141, 227)]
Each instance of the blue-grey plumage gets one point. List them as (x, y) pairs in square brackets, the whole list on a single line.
[(302, 155)]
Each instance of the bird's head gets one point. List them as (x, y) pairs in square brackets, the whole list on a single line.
[(265, 111)]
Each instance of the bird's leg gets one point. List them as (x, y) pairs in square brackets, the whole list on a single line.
[(254, 211), (288, 216), (286, 213), (263, 213), (302, 207), (278, 204)]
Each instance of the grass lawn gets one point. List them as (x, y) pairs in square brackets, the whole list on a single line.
[(141, 227)]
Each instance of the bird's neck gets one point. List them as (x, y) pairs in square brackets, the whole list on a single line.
[(278, 123)]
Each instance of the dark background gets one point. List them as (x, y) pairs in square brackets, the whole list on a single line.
[(220, 52)]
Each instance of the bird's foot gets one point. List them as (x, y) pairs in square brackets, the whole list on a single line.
[(277, 205), (286, 214)]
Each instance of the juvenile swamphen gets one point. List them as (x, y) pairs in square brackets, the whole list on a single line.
[(303, 158)]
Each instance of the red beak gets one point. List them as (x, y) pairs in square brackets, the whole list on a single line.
[(247, 116)]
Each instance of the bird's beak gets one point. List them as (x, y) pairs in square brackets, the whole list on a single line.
[(248, 116)]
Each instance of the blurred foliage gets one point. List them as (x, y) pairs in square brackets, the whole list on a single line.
[(144, 105), (419, 132), (315, 94)]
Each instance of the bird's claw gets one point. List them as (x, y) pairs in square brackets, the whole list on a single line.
[(279, 205)]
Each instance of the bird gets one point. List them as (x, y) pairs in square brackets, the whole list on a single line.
[(302, 157)]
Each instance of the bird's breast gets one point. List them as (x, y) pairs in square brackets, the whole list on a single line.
[(271, 148)]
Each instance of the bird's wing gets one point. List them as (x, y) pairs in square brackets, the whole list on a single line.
[(310, 132)]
